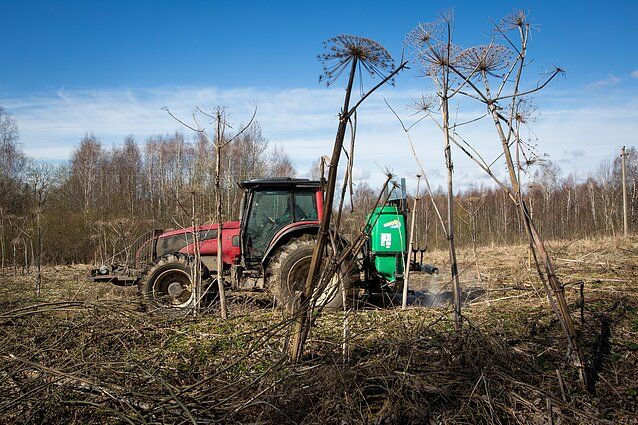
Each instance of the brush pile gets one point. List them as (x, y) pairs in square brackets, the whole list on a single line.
[(86, 354)]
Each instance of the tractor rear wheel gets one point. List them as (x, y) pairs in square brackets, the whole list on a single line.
[(167, 285), (288, 270)]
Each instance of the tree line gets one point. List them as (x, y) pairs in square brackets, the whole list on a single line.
[(565, 207), (103, 198), (94, 205)]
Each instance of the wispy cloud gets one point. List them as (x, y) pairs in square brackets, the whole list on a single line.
[(634, 74), (611, 80), (574, 153), (303, 122)]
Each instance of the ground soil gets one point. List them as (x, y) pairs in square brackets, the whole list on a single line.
[(88, 353)]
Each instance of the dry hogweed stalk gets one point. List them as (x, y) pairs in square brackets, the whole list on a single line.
[(342, 52), (486, 59), (524, 110), (343, 49), (426, 104), (513, 21), (424, 34), (431, 43), (508, 132), (438, 57)]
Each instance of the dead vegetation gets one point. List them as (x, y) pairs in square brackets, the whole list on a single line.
[(81, 353)]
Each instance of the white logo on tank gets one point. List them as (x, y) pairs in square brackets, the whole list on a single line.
[(386, 240)]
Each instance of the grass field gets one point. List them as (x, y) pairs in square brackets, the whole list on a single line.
[(87, 353)]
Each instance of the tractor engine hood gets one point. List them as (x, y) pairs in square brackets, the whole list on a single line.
[(183, 240)]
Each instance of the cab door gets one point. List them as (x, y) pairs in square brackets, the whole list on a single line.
[(269, 212)]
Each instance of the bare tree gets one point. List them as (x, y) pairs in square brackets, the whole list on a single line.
[(280, 164), (85, 166), (220, 141), (624, 192), (12, 163), (471, 205), (607, 195), (40, 177)]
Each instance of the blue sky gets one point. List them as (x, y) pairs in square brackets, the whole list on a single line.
[(69, 67)]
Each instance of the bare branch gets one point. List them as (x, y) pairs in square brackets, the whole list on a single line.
[(423, 173), (243, 129), (382, 82), (180, 121), (554, 74)]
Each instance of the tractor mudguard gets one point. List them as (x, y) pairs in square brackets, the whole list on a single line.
[(293, 230)]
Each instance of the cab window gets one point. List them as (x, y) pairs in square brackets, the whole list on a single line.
[(305, 206), (270, 212)]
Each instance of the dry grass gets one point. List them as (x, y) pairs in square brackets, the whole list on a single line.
[(86, 353)]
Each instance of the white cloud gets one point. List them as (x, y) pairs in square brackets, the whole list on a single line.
[(611, 80), (303, 121), (634, 74)]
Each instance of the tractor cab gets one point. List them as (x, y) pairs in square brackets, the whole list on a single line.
[(274, 210)]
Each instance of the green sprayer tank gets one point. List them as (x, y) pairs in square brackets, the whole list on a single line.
[(388, 242)]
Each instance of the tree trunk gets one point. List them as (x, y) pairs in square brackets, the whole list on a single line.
[(25, 270), (15, 256), (38, 279), (196, 269), (624, 193), (2, 247)]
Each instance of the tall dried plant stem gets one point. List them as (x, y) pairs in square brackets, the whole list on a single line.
[(406, 130), (357, 53), (450, 219), (406, 282), (38, 278), (545, 266), (347, 178), (218, 214), (346, 324), (196, 267), (322, 237), (445, 116)]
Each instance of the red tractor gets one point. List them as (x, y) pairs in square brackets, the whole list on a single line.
[(269, 248)]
